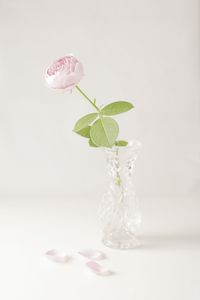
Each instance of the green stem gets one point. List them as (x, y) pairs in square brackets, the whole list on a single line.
[(87, 98), (118, 180)]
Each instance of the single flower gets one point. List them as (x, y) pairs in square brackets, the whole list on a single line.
[(64, 73)]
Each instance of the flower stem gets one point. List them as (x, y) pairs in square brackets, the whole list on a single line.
[(118, 180), (87, 98)]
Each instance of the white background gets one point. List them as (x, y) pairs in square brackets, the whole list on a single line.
[(143, 51), (51, 182), (166, 266)]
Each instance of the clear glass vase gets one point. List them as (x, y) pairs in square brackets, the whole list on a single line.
[(119, 212)]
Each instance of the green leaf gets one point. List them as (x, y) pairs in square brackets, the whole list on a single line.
[(104, 132), (84, 122), (92, 144), (85, 132), (116, 108), (121, 143)]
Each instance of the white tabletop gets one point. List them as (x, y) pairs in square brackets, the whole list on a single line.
[(165, 267)]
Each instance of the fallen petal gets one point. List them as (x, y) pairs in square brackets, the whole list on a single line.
[(92, 254), (57, 256), (98, 269)]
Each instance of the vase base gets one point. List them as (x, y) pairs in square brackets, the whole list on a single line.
[(128, 242)]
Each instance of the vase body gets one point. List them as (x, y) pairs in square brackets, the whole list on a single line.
[(119, 212)]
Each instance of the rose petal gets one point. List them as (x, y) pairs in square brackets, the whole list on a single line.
[(92, 254), (64, 73), (57, 256), (98, 269)]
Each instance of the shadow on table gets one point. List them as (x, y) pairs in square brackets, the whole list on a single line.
[(171, 241)]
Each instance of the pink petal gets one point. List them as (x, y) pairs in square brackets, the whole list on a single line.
[(57, 256), (64, 73), (92, 254), (98, 269)]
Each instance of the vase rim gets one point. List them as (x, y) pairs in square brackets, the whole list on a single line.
[(132, 144)]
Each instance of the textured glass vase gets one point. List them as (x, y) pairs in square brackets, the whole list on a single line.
[(119, 213)]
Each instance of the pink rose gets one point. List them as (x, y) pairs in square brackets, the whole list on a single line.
[(64, 73)]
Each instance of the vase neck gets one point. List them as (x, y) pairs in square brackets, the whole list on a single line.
[(120, 162)]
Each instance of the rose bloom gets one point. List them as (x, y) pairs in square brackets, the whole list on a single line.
[(64, 73)]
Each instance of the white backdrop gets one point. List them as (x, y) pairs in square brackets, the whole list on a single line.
[(143, 51)]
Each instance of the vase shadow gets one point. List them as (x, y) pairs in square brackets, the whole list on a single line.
[(179, 241)]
